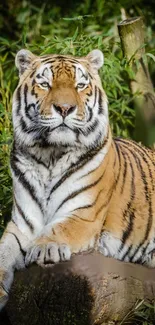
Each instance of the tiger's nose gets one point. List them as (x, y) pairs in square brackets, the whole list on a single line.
[(64, 109)]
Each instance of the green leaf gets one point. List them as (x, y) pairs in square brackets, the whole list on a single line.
[(151, 56)]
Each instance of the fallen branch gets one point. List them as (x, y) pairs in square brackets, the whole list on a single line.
[(89, 289)]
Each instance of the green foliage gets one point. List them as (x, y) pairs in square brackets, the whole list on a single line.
[(142, 313), (5, 141)]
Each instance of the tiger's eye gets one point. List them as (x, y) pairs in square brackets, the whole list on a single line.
[(80, 85), (45, 84)]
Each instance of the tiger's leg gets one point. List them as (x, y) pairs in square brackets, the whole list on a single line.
[(61, 240), (109, 245), (12, 250)]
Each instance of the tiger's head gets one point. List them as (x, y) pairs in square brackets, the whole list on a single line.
[(60, 100)]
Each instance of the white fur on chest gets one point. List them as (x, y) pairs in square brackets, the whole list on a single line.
[(71, 194), (58, 193), (55, 209)]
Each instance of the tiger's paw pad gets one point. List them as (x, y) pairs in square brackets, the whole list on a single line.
[(48, 254)]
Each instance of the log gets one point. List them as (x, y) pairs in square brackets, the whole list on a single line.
[(131, 33), (90, 289)]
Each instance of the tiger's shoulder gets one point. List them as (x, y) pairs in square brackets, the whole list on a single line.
[(135, 149)]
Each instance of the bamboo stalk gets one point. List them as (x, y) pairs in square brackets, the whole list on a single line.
[(131, 33)]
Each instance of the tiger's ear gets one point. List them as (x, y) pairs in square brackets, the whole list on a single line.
[(23, 59), (96, 58)]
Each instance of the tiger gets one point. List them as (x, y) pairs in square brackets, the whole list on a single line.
[(75, 187)]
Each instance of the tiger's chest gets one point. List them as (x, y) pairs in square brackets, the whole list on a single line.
[(56, 184)]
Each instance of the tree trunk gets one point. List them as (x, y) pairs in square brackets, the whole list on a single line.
[(131, 33), (89, 289)]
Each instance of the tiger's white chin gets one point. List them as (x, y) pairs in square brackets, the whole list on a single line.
[(70, 138), (62, 136)]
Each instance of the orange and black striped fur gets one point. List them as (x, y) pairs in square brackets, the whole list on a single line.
[(74, 186)]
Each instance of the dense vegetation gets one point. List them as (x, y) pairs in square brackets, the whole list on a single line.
[(74, 29)]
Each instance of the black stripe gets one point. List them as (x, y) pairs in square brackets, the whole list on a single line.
[(92, 170), (141, 259), (147, 196), (31, 117), (25, 94), (59, 58), (143, 152), (95, 95), (29, 224), (91, 128), (23, 125), (21, 178), (129, 228), (28, 107), (83, 160), (119, 160), (47, 60), (113, 145), (124, 172), (82, 74), (129, 212), (90, 76), (109, 195), (99, 139), (65, 58), (72, 61), (135, 252), (145, 248), (138, 147), (78, 217), (33, 93), (18, 98), (90, 114), (132, 194), (100, 102), (25, 128), (57, 72), (77, 192), (127, 253), (85, 206), (38, 161), (38, 76), (90, 205), (20, 246), (32, 74)]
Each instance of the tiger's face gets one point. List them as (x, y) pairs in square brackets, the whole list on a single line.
[(59, 100)]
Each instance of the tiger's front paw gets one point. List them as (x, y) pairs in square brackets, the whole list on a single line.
[(6, 279), (48, 253)]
